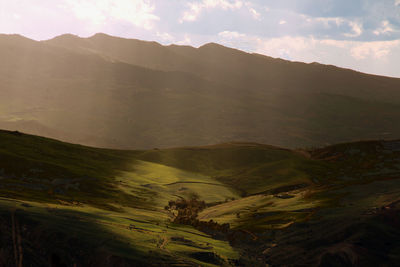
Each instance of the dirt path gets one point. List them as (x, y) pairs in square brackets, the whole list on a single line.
[(164, 242), (189, 182)]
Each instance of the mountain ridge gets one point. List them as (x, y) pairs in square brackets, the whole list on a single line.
[(206, 45), (122, 93)]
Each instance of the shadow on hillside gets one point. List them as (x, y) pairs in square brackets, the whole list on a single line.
[(40, 169), (64, 239)]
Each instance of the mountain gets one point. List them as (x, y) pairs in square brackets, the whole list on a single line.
[(121, 93), (236, 68), (232, 204)]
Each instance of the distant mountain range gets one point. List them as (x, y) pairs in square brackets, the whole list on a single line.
[(123, 93)]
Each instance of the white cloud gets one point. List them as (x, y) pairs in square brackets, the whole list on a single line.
[(136, 12), (309, 49), (303, 47), (255, 13), (282, 22), (397, 2), (327, 22), (377, 50), (285, 47), (356, 28), (165, 37), (186, 41), (195, 8), (335, 43), (231, 35), (385, 28)]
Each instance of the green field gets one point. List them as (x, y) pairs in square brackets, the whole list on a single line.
[(72, 204)]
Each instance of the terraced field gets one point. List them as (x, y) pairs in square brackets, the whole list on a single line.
[(65, 204)]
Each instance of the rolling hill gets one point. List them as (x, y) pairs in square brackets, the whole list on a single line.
[(231, 204), (120, 93)]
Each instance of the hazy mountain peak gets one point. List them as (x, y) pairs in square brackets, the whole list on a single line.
[(218, 50), (65, 39), (213, 45), (15, 37), (101, 35), (67, 36), (106, 37)]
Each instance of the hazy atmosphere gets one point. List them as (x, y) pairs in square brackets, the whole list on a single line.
[(195, 133), (360, 34)]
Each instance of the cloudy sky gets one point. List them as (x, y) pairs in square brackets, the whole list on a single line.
[(358, 34)]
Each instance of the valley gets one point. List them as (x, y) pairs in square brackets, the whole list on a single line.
[(262, 204)]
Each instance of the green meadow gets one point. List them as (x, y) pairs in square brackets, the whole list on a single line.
[(100, 207)]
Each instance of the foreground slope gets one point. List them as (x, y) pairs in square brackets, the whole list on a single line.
[(120, 93), (70, 204)]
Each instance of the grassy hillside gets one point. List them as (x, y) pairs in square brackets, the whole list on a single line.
[(97, 207), (70, 204), (129, 94)]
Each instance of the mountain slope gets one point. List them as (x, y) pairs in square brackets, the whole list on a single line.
[(118, 93), (237, 68), (70, 204)]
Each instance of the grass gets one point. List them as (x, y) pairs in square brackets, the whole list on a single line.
[(92, 202), (111, 231)]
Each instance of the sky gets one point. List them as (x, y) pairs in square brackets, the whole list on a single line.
[(359, 34)]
